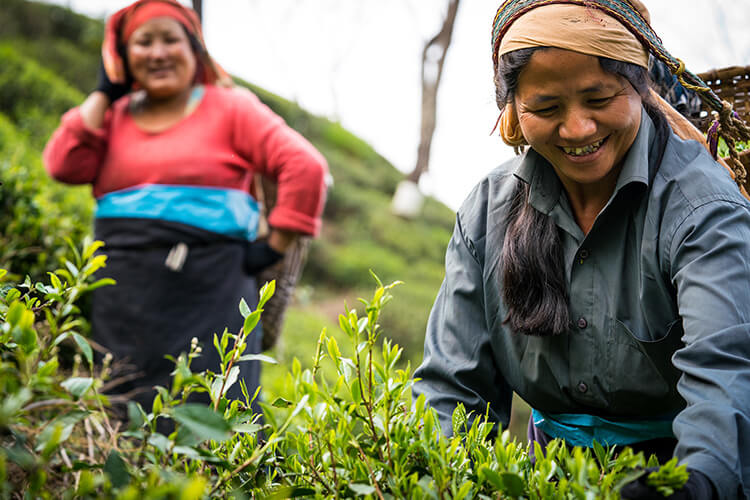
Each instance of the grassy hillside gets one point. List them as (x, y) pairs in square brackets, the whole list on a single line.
[(48, 61)]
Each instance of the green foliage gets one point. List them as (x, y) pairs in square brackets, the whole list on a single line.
[(37, 21), (65, 58), (723, 149), (348, 429), (66, 43), (31, 96), (359, 433), (36, 320), (669, 478), (36, 214)]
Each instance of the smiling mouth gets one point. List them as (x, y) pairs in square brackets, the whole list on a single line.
[(585, 150)]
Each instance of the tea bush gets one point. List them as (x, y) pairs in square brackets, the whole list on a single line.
[(32, 96), (348, 429), (36, 214)]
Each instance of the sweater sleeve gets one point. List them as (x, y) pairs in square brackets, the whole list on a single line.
[(75, 152), (284, 156)]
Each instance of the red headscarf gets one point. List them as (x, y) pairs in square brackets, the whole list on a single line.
[(124, 22)]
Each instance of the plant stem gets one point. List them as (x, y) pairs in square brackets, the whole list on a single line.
[(372, 474), (386, 431), (317, 476), (229, 368), (333, 468), (47, 403), (142, 453), (367, 404)]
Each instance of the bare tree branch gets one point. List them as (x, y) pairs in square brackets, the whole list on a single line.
[(433, 58), (198, 8)]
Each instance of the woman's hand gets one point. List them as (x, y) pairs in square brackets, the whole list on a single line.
[(698, 487), (113, 91), (96, 104), (260, 255)]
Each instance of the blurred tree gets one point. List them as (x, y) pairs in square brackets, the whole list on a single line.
[(433, 58), (407, 199), (198, 8)]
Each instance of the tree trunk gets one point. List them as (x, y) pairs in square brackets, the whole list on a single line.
[(433, 58), (198, 8)]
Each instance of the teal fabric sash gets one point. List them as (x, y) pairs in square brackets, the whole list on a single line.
[(583, 430), (229, 212)]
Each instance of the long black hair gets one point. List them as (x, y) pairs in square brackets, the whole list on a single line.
[(535, 288)]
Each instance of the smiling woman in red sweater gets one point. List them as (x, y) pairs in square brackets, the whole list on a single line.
[(171, 149)]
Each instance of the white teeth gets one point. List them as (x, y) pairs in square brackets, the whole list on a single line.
[(586, 150)]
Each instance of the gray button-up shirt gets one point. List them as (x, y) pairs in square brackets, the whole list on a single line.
[(659, 301)]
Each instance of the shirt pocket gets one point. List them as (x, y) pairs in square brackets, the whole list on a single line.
[(641, 379)]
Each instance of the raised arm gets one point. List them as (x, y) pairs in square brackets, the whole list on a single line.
[(76, 149)]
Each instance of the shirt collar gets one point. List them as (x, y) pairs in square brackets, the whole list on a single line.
[(545, 187)]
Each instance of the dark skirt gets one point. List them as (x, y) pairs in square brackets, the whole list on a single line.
[(159, 304)]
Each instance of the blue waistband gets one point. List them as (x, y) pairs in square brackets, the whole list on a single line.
[(229, 212), (583, 430)]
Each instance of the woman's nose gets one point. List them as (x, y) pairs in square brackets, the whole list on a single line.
[(158, 49), (577, 126)]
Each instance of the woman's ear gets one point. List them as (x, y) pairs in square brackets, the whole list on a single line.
[(510, 127)]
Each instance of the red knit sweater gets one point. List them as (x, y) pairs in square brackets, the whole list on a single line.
[(229, 137)]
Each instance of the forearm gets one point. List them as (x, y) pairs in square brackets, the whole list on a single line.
[(94, 109), (74, 152)]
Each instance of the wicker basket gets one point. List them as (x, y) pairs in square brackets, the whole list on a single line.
[(286, 272), (745, 157), (730, 84)]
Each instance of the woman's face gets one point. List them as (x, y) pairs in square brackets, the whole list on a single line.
[(160, 58), (580, 118)]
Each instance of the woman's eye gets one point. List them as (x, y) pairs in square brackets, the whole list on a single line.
[(599, 101), (544, 111)]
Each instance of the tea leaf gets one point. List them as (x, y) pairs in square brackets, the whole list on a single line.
[(116, 469), (202, 421), (258, 357), (84, 346), (244, 308), (78, 386), (362, 489)]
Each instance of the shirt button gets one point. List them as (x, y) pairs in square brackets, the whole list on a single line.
[(584, 254), (582, 323), (582, 387)]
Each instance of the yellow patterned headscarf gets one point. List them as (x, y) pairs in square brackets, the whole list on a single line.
[(577, 28)]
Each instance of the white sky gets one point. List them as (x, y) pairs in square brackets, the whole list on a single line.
[(358, 61)]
